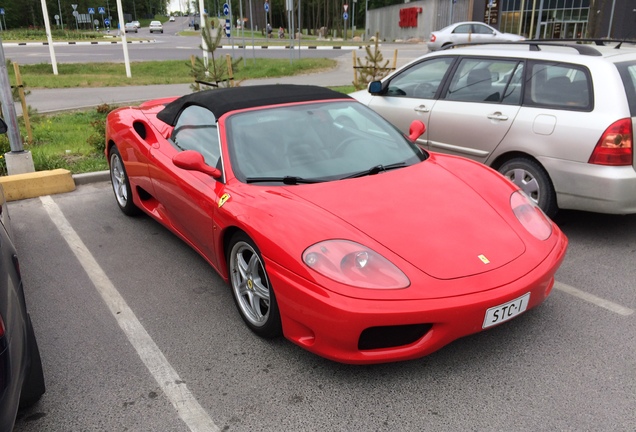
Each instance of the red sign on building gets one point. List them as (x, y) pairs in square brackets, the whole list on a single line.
[(408, 16)]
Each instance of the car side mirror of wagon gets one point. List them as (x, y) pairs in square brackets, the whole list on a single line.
[(193, 161), (375, 87)]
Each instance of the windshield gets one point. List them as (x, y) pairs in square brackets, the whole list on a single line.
[(315, 142)]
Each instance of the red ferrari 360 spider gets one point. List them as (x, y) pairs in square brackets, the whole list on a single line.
[(332, 227)]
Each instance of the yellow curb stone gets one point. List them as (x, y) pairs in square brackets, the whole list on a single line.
[(35, 184)]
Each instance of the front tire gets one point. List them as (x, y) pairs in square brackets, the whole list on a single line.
[(253, 294), (121, 185), (533, 179)]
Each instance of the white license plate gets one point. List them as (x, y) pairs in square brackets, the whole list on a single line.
[(506, 311)]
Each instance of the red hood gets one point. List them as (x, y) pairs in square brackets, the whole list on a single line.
[(426, 215)]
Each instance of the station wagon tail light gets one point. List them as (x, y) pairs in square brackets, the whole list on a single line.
[(433, 38), (616, 146), (352, 264), (530, 216)]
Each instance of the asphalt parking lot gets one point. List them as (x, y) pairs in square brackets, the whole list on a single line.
[(138, 333)]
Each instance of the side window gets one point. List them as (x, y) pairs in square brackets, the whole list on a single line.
[(196, 130), (627, 70), (422, 80), (486, 80), (482, 29), (463, 29), (559, 86)]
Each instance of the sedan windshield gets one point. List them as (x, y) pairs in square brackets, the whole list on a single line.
[(315, 142)]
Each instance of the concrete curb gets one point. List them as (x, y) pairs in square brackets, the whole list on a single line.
[(92, 177), (31, 185), (35, 184), (15, 44)]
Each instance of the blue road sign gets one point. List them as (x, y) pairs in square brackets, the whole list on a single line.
[(107, 22), (266, 6), (1, 11), (345, 16), (226, 9), (91, 11), (101, 10), (228, 27)]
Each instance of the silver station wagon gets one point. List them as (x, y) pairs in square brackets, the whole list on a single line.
[(556, 118)]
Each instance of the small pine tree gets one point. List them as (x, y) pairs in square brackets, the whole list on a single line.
[(216, 74), (373, 69)]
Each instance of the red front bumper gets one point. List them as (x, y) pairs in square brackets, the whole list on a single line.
[(331, 325)]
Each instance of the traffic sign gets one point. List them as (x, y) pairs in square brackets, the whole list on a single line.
[(107, 22), (91, 11), (346, 7), (345, 16), (101, 10), (228, 27), (266, 6), (226, 9), (1, 11)]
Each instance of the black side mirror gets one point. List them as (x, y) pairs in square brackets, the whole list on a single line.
[(375, 87), (3, 127)]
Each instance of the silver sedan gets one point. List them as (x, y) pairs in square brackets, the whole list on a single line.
[(464, 32)]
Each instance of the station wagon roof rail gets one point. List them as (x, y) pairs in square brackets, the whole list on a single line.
[(535, 45)]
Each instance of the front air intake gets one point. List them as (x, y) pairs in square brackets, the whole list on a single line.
[(391, 336)]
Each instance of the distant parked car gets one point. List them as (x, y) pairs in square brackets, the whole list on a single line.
[(130, 28), (155, 26), (171, 19), (136, 24), (21, 375), (464, 32)]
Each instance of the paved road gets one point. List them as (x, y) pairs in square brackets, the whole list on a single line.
[(174, 47), (568, 365)]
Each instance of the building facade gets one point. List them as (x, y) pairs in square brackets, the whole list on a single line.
[(545, 19)]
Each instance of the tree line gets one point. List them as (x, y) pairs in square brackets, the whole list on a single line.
[(29, 14), (314, 14)]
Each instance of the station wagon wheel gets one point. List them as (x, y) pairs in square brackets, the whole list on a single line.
[(533, 180), (121, 185), (252, 291)]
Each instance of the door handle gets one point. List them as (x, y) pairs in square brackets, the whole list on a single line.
[(497, 116), (421, 108)]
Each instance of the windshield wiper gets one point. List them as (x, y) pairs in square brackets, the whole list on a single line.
[(375, 170), (288, 180)]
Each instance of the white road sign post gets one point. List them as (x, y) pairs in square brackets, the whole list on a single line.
[(47, 26)]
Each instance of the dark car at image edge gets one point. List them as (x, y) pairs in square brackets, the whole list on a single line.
[(21, 374)]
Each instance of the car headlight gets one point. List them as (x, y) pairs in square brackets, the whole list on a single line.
[(352, 264), (530, 215)]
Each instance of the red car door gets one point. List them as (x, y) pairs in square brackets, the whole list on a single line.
[(188, 199)]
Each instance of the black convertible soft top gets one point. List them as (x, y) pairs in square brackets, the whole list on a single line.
[(223, 100)]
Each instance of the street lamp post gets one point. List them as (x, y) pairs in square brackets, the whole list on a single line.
[(609, 31), (61, 19)]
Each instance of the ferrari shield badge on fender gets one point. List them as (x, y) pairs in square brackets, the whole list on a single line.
[(223, 199)]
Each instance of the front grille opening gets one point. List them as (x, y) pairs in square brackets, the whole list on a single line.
[(391, 336)]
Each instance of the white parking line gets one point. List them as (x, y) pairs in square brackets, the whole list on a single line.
[(175, 389), (606, 304)]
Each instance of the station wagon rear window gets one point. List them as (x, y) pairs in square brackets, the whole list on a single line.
[(558, 86)]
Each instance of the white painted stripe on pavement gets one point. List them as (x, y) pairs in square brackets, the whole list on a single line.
[(591, 298), (175, 389)]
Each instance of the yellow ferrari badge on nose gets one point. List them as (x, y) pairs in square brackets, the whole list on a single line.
[(223, 199), (484, 259)]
